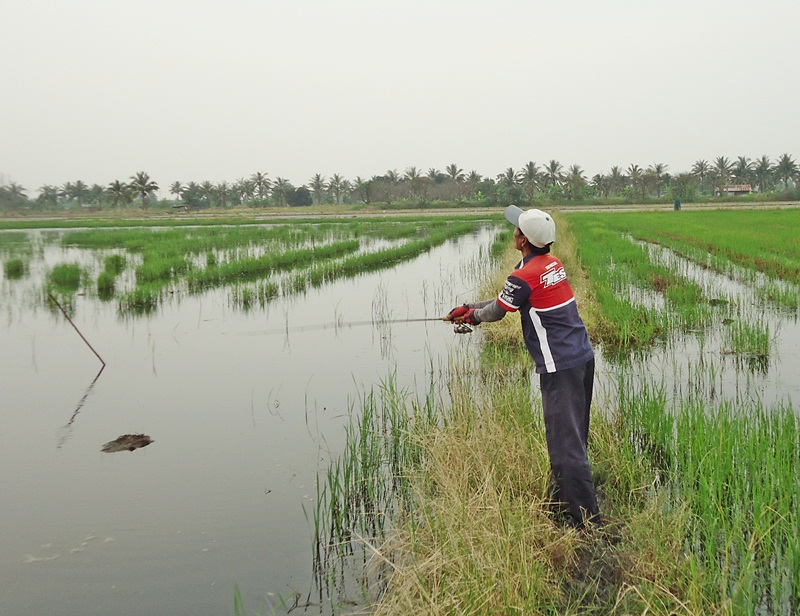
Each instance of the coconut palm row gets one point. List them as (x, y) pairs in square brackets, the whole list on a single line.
[(550, 181)]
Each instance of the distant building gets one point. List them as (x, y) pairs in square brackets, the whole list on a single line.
[(736, 189)]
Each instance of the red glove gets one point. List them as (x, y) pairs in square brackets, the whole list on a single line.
[(457, 312), (470, 318)]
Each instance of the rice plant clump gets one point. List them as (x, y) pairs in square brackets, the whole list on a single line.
[(748, 339), (14, 268), (114, 264), (66, 276), (106, 283)]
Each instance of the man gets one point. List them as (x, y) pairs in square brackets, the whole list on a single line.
[(556, 339)]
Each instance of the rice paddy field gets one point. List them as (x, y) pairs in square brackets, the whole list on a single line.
[(175, 471), (695, 442), (313, 451), (697, 315)]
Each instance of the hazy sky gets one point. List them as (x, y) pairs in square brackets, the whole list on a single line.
[(199, 90)]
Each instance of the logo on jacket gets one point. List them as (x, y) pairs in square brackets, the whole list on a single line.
[(553, 276)]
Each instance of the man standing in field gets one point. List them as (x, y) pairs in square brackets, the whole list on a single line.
[(557, 341)]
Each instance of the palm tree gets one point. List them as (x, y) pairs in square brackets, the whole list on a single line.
[(435, 176), (786, 169), (411, 174), (636, 179), (243, 191), (657, 170), (529, 176), (335, 187), (280, 190), (616, 180), (176, 188), (223, 191), (363, 188), (473, 179), (701, 169), (553, 173), (48, 196), (721, 172), (74, 191), (143, 186), (575, 182), (347, 191), (208, 190), (318, 187), (743, 170), (530, 173), (414, 179), (601, 184), (261, 185), (192, 194), (118, 193), (14, 195), (455, 173), (762, 172), (508, 178)]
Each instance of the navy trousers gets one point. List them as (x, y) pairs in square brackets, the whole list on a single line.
[(566, 401)]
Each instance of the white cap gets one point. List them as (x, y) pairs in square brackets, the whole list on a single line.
[(536, 225)]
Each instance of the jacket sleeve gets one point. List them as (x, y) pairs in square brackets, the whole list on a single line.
[(488, 311)]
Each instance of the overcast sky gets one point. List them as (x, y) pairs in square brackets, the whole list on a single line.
[(96, 90)]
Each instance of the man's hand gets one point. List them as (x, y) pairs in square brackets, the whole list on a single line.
[(469, 318), (457, 313)]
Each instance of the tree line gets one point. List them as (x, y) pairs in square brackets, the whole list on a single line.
[(548, 183)]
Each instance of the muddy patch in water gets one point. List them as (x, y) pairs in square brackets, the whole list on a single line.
[(127, 442)]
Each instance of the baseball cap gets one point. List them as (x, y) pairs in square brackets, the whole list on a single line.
[(536, 225)]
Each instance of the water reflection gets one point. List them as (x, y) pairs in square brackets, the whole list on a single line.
[(65, 431), (244, 422)]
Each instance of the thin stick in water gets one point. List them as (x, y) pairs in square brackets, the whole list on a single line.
[(66, 316)]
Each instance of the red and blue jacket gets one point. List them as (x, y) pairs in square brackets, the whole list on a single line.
[(553, 330)]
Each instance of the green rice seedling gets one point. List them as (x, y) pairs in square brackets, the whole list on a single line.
[(266, 291), (144, 299), (260, 294), (114, 264), (243, 297), (737, 469), (761, 240), (14, 268), (613, 263), (106, 283), (14, 242), (244, 269), (161, 269), (66, 276), (780, 293), (387, 257), (748, 339), (364, 487)]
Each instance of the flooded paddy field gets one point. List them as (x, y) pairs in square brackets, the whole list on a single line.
[(700, 331), (249, 374), (242, 381)]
